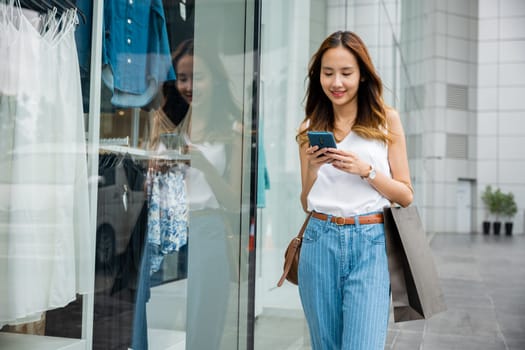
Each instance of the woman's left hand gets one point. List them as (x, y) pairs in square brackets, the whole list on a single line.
[(348, 162)]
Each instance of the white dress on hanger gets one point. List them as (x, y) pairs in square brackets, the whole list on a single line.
[(45, 244)]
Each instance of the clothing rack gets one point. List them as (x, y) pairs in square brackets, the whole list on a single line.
[(115, 141), (139, 153)]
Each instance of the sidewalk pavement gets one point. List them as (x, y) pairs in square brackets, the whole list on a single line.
[(483, 279)]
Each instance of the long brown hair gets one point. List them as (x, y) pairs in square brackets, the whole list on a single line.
[(222, 98), (371, 122)]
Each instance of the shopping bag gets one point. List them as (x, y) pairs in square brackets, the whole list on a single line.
[(416, 291)]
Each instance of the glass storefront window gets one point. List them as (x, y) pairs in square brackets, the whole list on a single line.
[(126, 176)]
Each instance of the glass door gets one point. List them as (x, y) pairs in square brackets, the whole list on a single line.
[(175, 174)]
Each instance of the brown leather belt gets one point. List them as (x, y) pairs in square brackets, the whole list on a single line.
[(339, 220)]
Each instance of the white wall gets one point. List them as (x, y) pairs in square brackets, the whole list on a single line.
[(456, 71), (500, 160)]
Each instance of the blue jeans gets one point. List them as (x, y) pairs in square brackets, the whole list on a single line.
[(139, 340), (209, 276), (344, 285)]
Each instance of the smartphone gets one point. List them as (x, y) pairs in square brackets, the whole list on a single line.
[(322, 139), (173, 141)]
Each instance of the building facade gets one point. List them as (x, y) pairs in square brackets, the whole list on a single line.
[(454, 70)]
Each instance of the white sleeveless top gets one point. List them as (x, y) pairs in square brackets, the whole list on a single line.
[(342, 194), (200, 193)]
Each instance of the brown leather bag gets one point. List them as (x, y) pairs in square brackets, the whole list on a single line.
[(291, 257)]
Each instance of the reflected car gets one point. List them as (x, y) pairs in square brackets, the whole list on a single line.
[(120, 201)]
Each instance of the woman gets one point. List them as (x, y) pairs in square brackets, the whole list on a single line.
[(211, 126), (343, 273), (212, 132)]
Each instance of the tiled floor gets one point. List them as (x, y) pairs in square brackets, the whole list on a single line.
[(483, 279)]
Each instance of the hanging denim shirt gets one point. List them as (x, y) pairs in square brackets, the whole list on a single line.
[(136, 52), (83, 37)]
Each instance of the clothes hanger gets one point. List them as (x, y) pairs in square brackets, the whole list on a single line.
[(45, 5), (64, 5), (119, 160), (103, 158), (108, 160)]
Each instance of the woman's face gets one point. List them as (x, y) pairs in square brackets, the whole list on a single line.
[(340, 76), (193, 84), (184, 72)]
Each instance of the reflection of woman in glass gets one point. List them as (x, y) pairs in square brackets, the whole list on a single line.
[(212, 133)]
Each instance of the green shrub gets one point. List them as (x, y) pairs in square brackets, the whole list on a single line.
[(509, 207), (498, 203), (487, 198)]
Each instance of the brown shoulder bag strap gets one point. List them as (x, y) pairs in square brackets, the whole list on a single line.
[(292, 250)]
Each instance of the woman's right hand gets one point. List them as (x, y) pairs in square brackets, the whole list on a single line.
[(312, 158), (317, 157)]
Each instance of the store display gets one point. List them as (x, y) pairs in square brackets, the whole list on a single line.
[(136, 54), (167, 213), (45, 244)]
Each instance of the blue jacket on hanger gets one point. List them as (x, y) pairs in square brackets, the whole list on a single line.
[(136, 52), (136, 55)]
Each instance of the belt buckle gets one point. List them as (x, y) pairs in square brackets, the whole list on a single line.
[(339, 220)]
